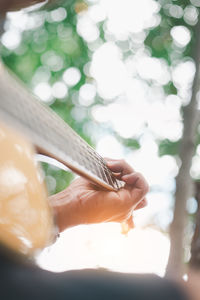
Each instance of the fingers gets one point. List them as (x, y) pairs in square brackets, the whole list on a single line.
[(130, 222), (137, 186), (127, 225), (119, 166), (141, 204), (137, 180)]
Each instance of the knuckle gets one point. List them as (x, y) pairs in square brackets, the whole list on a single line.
[(146, 187), (145, 184), (122, 161)]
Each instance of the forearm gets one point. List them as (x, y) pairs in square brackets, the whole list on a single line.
[(65, 210), (85, 203)]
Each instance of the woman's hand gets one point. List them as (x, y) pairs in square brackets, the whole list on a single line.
[(85, 203)]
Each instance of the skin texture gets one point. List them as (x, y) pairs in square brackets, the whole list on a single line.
[(85, 203)]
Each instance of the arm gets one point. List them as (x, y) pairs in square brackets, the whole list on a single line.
[(84, 203)]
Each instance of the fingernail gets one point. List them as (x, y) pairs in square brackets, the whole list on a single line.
[(110, 163), (124, 177), (143, 204)]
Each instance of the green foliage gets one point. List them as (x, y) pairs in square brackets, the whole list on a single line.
[(167, 147), (130, 143), (61, 39), (170, 89), (56, 179)]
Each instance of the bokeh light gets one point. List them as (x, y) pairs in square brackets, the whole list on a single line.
[(119, 72)]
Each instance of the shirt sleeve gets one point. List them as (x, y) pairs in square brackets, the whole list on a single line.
[(23, 281)]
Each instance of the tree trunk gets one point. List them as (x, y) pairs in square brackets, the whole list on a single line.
[(14, 5), (175, 267), (195, 247), (2, 19)]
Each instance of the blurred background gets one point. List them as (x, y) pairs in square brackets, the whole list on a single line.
[(125, 75)]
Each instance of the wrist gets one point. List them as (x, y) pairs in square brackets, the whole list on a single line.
[(64, 208)]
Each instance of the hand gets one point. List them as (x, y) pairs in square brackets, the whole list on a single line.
[(85, 203)]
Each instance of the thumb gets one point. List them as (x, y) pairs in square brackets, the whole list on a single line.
[(127, 225)]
